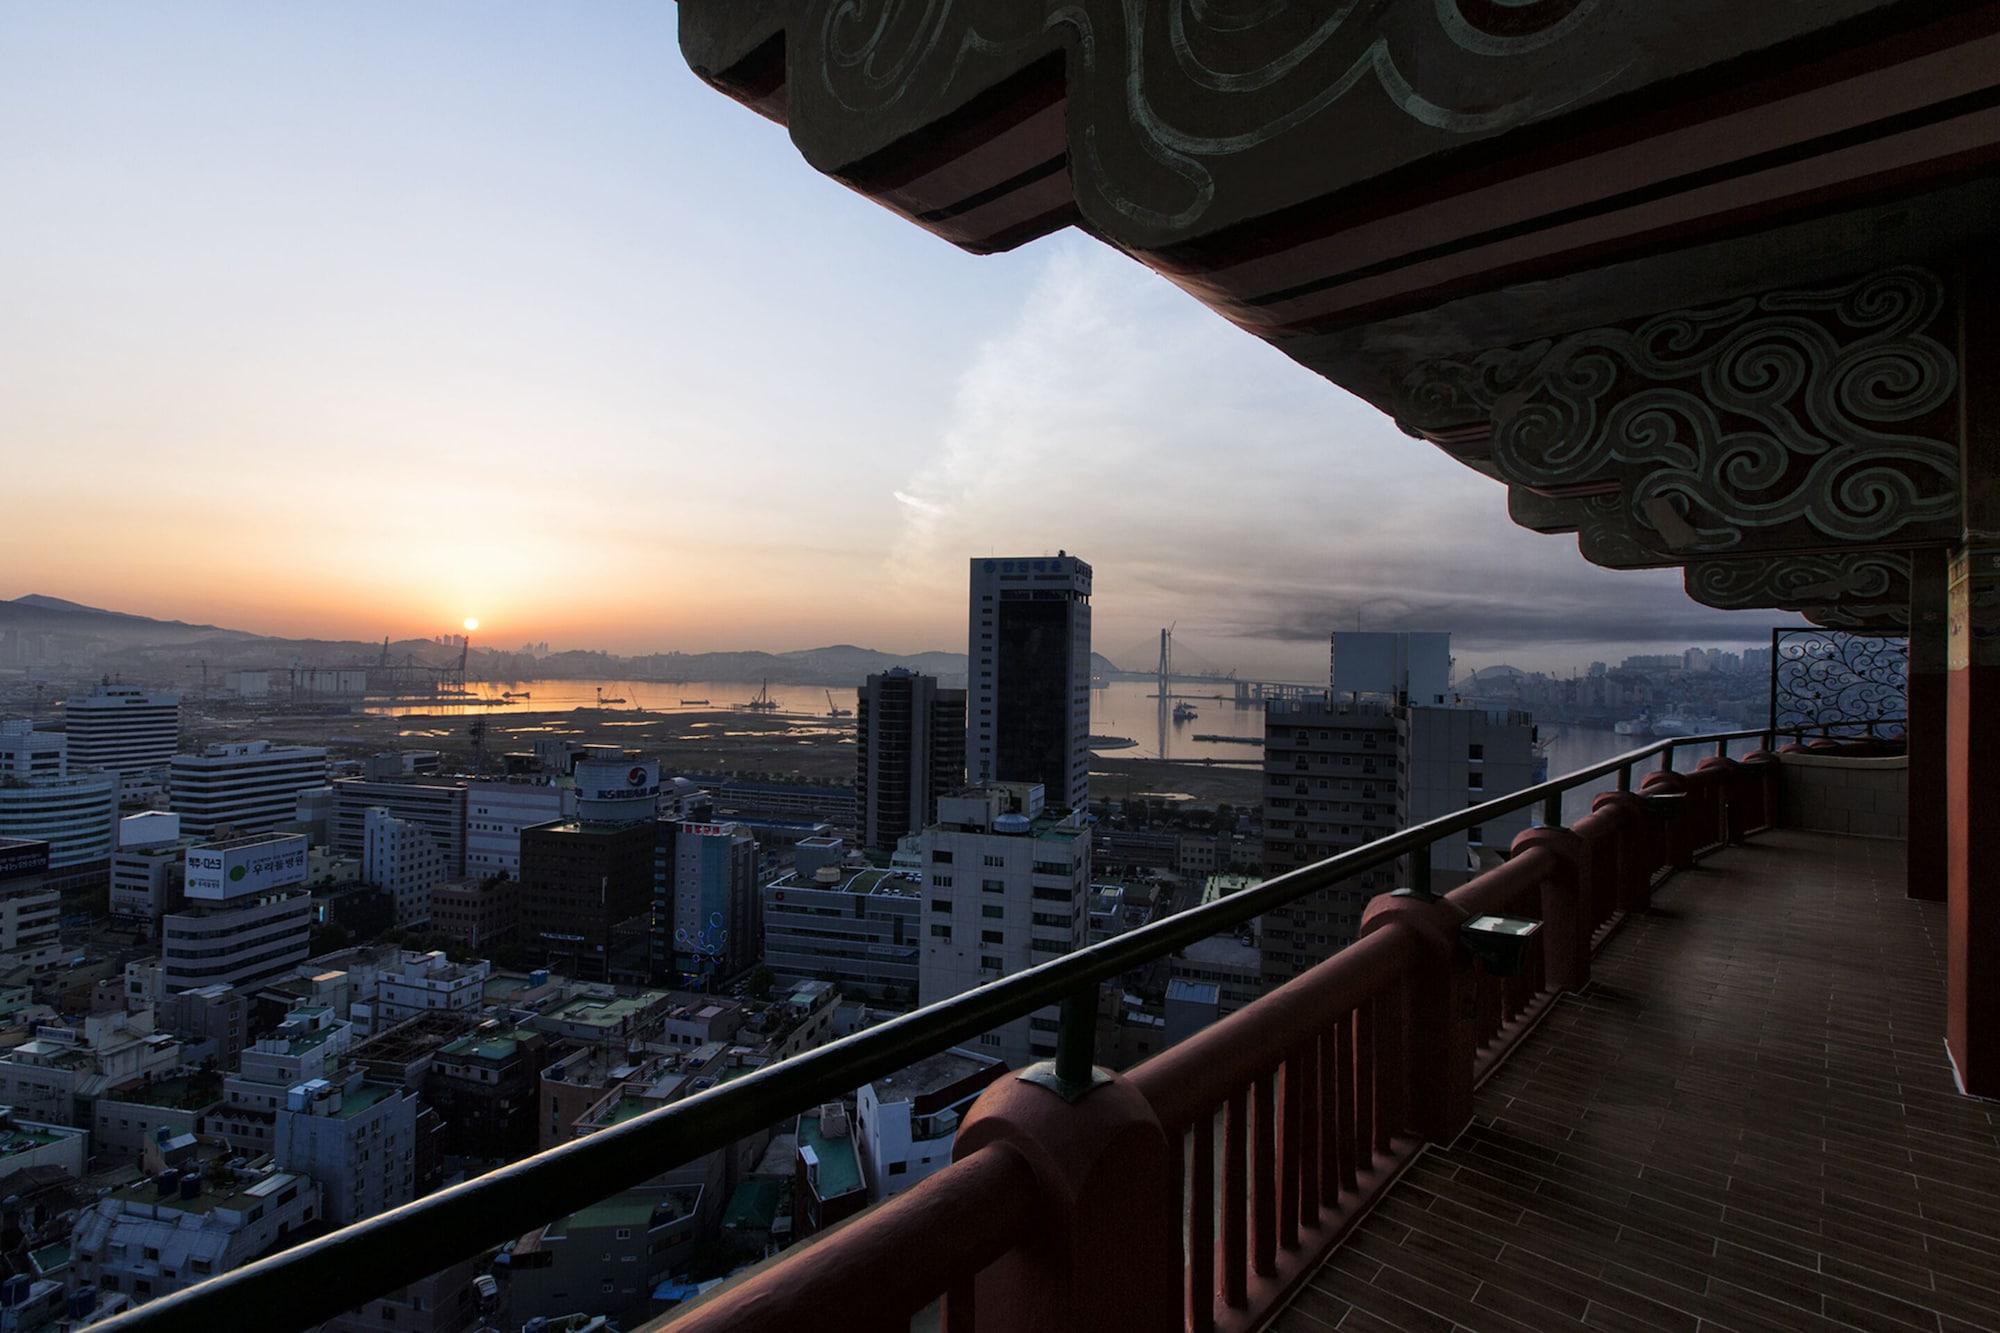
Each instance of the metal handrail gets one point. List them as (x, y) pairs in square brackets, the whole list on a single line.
[(324, 1277)]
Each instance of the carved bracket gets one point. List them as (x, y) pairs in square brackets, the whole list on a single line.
[(1790, 421)]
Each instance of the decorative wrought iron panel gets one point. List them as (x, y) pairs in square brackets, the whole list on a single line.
[(1833, 677)]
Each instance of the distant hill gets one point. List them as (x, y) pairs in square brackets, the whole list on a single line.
[(131, 641), (37, 613)]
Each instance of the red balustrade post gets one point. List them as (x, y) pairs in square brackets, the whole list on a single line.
[(1108, 1175), (1679, 832), (1725, 804), (1566, 923), (1640, 848), (1761, 773), (1442, 1045)]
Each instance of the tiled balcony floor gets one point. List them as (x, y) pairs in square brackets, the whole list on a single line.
[(1747, 1122)]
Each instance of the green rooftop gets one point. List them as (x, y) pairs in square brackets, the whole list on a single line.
[(634, 1208), (50, 1258), (189, 1092), (839, 1163), (600, 1012), (754, 1204), (484, 1046), (24, 1140), (364, 1096)]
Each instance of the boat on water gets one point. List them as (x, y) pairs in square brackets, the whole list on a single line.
[(1112, 743), (516, 694), (693, 702), (763, 703), (604, 699), (1185, 712), (1689, 724), (835, 710)]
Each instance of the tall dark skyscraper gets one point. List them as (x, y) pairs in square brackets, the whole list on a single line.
[(909, 750), (1028, 675)]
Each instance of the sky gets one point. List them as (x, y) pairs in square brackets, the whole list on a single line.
[(359, 319)]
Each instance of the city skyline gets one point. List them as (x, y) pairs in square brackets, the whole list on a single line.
[(469, 350)]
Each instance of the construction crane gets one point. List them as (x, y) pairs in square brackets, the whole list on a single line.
[(835, 710)]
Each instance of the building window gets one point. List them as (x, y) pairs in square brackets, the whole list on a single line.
[(1475, 752), (1475, 779), (940, 856), (941, 932), (992, 937), (989, 962), (993, 911), (993, 885)]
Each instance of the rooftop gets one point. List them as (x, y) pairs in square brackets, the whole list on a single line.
[(839, 1162), (189, 1092), (362, 1096), (930, 1074), (485, 1045), (602, 1011), (889, 883)]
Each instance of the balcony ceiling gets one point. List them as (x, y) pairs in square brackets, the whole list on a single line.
[(1683, 277)]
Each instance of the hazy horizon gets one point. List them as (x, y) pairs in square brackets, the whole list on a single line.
[(361, 321)]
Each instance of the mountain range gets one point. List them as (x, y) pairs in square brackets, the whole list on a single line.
[(139, 643)]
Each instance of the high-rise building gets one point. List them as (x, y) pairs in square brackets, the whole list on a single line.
[(707, 918), (1340, 774), (43, 799), (909, 749), (402, 858), (242, 786), (1006, 886), (435, 805), (123, 728), (496, 810), (1028, 676), (579, 881)]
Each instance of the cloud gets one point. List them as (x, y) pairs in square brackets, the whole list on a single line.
[(1213, 482)]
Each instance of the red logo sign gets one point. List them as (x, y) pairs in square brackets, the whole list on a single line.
[(637, 777)]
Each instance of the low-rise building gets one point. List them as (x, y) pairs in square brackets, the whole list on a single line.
[(477, 914), (483, 1087), (29, 1143), (606, 1258), (828, 1185), (1232, 964), (59, 1073), (356, 1137), (904, 1124), (160, 1236), (125, 1119), (858, 927)]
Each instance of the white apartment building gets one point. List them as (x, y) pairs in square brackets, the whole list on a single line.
[(497, 809), (311, 1043), (1006, 886), (43, 799), (1027, 713), (401, 858), (905, 1123), (356, 1137), (245, 786), (123, 728), (420, 983), (159, 1236), (63, 1068)]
